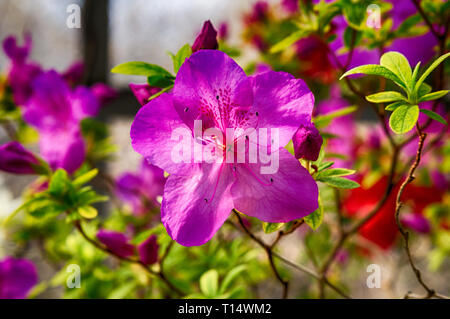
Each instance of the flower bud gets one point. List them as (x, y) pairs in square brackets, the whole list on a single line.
[(207, 39), (16, 159), (148, 251), (116, 242), (307, 142)]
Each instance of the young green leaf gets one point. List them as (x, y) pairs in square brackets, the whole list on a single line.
[(394, 106), (383, 97), (430, 69), (374, 69), (398, 64), (340, 182), (424, 89), (433, 96), (181, 55), (335, 172), (230, 277), (86, 177), (324, 165), (209, 283), (88, 212), (314, 219), (141, 68), (271, 227), (404, 118), (434, 116), (58, 182)]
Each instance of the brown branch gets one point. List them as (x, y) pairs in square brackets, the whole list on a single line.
[(410, 177)]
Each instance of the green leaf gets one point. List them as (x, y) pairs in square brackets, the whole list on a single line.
[(374, 69), (433, 96), (382, 97), (271, 227), (434, 116), (159, 81), (430, 69), (394, 106), (141, 68), (230, 277), (404, 118), (409, 27), (58, 183), (415, 72), (314, 220), (340, 182), (335, 172), (209, 283), (398, 64), (86, 177), (181, 56), (424, 89), (45, 207), (349, 33), (325, 165), (321, 121), (288, 41), (88, 212), (154, 96), (354, 13)]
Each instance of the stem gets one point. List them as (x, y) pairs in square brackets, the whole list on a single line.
[(159, 273)]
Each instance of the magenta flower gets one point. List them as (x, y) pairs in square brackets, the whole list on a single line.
[(116, 242), (21, 72), (143, 91), (140, 190), (74, 74), (16, 159), (148, 251), (17, 277), (307, 142), (104, 93), (198, 197), (416, 222), (207, 39), (55, 111)]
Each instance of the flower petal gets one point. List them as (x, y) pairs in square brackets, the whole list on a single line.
[(210, 86), (282, 102), (17, 277), (195, 206), (151, 134), (288, 194)]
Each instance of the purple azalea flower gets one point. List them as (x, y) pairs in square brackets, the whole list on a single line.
[(56, 111), (141, 189), (291, 6), (259, 12), (416, 222), (21, 72), (16, 159), (104, 93), (198, 197), (143, 91), (207, 39), (74, 73), (307, 142), (17, 277), (148, 251), (116, 242)]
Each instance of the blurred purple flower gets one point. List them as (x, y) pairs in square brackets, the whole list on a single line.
[(74, 74), (259, 12), (14, 158), (291, 6), (416, 222), (17, 277), (21, 73), (143, 91), (207, 39), (148, 251), (104, 93), (307, 142), (141, 189), (116, 242), (222, 34), (198, 197), (56, 111)]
